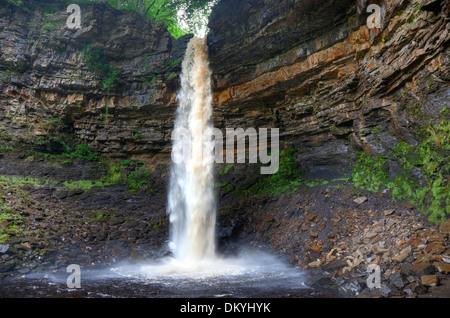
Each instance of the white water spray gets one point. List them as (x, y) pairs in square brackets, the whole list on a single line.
[(191, 200), (191, 203)]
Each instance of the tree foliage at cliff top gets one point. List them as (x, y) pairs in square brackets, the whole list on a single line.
[(179, 16)]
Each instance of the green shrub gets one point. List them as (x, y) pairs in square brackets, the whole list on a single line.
[(137, 180), (83, 152), (370, 172), (148, 79), (430, 194), (137, 134), (126, 163), (97, 62)]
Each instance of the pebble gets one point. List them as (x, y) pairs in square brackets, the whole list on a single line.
[(360, 200)]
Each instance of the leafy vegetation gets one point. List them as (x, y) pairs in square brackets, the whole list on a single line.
[(137, 134), (49, 26), (430, 193), (84, 185), (369, 172), (138, 179), (10, 217), (130, 173), (4, 150), (172, 75), (82, 152), (99, 64), (21, 181), (287, 180), (148, 79), (226, 169), (193, 14), (127, 172), (171, 63)]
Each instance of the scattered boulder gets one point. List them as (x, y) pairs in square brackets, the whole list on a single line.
[(445, 227), (402, 255), (442, 267), (3, 248), (430, 280), (396, 280)]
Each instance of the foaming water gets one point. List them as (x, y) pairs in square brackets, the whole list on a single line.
[(245, 264), (191, 201), (248, 274), (251, 274)]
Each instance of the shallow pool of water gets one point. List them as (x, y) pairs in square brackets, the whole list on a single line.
[(254, 275)]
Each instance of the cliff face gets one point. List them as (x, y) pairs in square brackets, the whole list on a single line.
[(332, 86), (45, 76), (311, 68)]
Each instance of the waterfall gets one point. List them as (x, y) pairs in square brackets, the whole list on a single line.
[(191, 202)]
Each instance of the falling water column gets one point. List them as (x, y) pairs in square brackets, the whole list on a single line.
[(191, 203)]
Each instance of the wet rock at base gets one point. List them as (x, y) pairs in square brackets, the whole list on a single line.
[(396, 280), (350, 288), (319, 281)]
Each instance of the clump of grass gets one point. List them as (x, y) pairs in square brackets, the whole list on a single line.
[(138, 179), (4, 150), (21, 181), (286, 181), (172, 75), (226, 169), (10, 218), (137, 134), (83, 185), (82, 152)]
